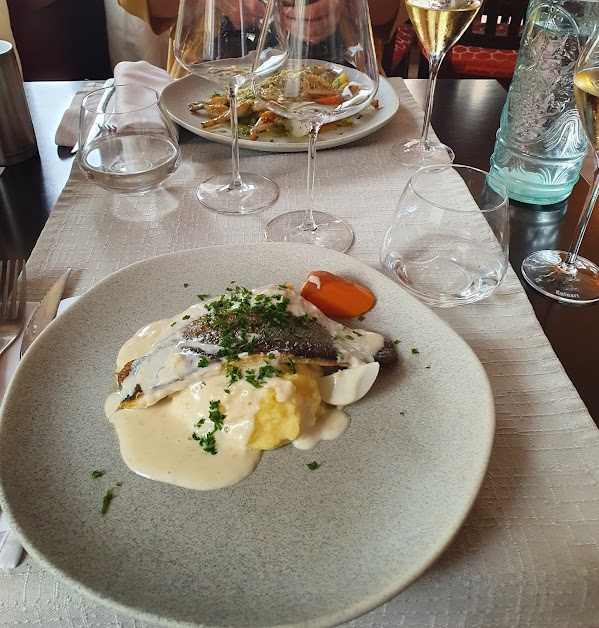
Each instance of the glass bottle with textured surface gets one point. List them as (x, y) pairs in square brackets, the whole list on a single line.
[(541, 144)]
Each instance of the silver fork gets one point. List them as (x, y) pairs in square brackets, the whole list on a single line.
[(13, 299)]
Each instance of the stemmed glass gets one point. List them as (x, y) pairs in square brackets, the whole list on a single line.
[(314, 85), (439, 24), (565, 276), (215, 39)]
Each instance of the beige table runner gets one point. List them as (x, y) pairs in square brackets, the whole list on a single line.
[(528, 554)]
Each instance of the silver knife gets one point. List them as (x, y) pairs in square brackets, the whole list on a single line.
[(101, 108), (45, 312)]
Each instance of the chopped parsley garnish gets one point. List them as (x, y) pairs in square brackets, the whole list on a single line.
[(234, 374), (216, 94), (361, 318), (106, 501), (312, 465), (239, 315), (119, 484), (396, 342), (173, 323), (282, 286), (186, 285), (227, 391), (292, 368), (402, 413), (349, 337), (203, 362), (358, 333), (97, 474), (202, 297), (208, 440), (186, 317), (415, 351), (271, 356)]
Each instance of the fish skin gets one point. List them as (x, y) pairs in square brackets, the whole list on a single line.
[(310, 340)]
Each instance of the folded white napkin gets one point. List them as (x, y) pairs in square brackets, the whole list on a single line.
[(10, 547), (141, 73), (67, 132)]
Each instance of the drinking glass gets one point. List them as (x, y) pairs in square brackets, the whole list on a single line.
[(314, 85), (215, 39), (448, 243), (127, 142), (439, 24), (564, 275)]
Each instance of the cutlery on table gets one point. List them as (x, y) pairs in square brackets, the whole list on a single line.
[(13, 300), (101, 106), (45, 312), (10, 547)]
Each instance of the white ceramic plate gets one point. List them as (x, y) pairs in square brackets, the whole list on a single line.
[(287, 546), (176, 96)]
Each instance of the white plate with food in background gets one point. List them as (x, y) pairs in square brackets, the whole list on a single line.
[(179, 94), (288, 545)]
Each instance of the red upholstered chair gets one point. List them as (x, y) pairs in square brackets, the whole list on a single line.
[(489, 48), (396, 54)]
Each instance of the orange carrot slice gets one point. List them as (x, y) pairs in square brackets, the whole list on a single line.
[(332, 99), (335, 296)]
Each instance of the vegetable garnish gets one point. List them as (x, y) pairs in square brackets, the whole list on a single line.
[(336, 296), (97, 474), (415, 351), (208, 440), (106, 501), (203, 362), (186, 285), (312, 465)]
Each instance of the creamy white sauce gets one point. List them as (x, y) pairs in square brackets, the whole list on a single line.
[(332, 424), (155, 436)]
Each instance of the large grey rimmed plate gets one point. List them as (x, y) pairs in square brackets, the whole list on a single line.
[(287, 546), (176, 96)]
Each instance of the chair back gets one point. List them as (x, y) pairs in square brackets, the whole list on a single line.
[(499, 25)]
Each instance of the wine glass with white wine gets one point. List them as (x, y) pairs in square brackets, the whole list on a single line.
[(312, 86), (564, 275), (439, 24), (215, 40)]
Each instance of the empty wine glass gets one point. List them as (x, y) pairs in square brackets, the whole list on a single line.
[(314, 85), (215, 39), (439, 24), (566, 276), (127, 142)]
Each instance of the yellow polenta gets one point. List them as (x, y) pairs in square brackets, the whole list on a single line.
[(276, 423)]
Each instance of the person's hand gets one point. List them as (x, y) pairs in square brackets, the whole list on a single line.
[(316, 22), (252, 11)]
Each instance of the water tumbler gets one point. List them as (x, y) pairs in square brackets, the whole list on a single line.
[(17, 139)]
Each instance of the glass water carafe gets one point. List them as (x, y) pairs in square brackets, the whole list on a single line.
[(541, 144)]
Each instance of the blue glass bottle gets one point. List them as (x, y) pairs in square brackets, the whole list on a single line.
[(541, 144)]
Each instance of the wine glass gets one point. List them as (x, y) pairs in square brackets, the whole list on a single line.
[(215, 39), (439, 24), (565, 276), (312, 85), (127, 142)]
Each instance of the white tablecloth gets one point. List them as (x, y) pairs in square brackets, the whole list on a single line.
[(528, 554)]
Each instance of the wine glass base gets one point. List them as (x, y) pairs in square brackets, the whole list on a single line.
[(330, 232), (255, 193), (547, 272), (414, 155)]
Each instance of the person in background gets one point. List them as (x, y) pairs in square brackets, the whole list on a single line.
[(323, 15)]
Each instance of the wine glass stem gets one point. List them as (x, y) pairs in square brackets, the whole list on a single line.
[(585, 216), (434, 63), (235, 182), (309, 224)]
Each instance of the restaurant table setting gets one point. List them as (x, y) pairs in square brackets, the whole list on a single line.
[(527, 554)]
